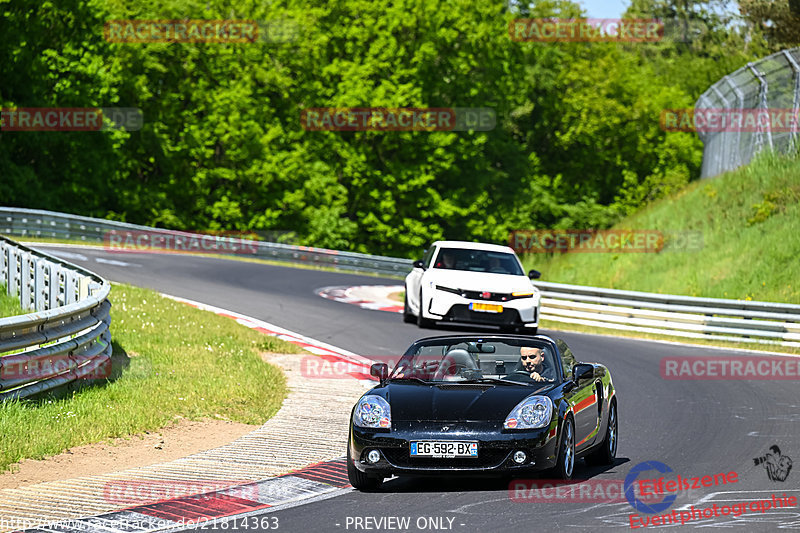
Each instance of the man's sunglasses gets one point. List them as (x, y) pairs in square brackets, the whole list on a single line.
[(529, 356)]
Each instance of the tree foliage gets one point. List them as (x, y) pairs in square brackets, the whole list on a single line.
[(577, 141)]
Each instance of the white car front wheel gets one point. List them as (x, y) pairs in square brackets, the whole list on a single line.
[(421, 320)]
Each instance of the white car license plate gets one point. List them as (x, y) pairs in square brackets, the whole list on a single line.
[(486, 308), (444, 449)]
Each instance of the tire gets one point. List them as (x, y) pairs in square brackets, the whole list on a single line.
[(358, 479), (607, 452), (421, 321), (565, 460), (408, 317)]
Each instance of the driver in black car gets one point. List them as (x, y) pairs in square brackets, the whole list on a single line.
[(532, 360)]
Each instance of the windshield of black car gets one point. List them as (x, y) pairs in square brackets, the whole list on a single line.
[(477, 261), (469, 361)]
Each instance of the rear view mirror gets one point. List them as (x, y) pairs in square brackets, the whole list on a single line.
[(380, 371), (418, 264), (582, 371), (534, 274)]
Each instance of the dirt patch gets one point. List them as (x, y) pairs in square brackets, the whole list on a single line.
[(398, 296), (169, 443)]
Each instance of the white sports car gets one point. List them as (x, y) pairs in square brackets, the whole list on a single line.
[(472, 282)]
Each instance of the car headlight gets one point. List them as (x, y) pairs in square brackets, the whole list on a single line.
[(531, 413), (372, 412)]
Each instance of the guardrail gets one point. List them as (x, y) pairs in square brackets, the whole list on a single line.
[(678, 316), (49, 224), (66, 337), (667, 314)]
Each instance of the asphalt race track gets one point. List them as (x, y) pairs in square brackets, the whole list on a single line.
[(697, 428)]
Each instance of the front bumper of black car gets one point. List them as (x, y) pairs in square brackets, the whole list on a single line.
[(496, 448)]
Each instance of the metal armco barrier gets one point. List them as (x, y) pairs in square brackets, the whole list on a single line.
[(44, 224), (666, 314), (66, 337), (680, 316)]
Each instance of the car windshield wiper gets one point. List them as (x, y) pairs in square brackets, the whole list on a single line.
[(411, 378), (490, 380)]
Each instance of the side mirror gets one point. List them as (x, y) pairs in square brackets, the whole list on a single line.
[(418, 264), (582, 371), (380, 371), (534, 274)]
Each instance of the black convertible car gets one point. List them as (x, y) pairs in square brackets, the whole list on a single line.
[(494, 404)]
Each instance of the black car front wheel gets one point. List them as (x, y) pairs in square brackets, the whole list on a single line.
[(565, 461), (358, 479)]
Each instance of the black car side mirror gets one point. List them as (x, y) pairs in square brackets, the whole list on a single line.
[(582, 371), (418, 264), (380, 371), (534, 274)]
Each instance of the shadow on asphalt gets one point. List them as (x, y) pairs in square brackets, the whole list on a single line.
[(411, 484)]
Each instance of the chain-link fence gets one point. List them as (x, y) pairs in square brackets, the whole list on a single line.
[(769, 89)]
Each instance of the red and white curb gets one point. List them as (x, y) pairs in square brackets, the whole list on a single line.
[(322, 480), (317, 481), (373, 297), (328, 351)]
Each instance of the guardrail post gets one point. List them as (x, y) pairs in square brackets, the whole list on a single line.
[(4, 265), (25, 281), (40, 293), (56, 298), (71, 289), (83, 287)]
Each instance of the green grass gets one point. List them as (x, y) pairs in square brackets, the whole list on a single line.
[(750, 223), (181, 363), (9, 305)]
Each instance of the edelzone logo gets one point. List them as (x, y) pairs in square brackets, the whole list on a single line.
[(647, 506)]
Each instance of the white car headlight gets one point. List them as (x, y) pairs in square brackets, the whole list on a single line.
[(372, 412), (531, 413)]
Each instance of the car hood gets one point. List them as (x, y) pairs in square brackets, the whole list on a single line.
[(451, 401), (478, 281)]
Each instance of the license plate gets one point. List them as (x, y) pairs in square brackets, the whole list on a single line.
[(486, 308), (444, 449)]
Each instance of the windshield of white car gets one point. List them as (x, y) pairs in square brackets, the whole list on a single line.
[(477, 261)]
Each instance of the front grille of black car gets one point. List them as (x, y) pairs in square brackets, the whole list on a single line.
[(459, 313), (487, 458)]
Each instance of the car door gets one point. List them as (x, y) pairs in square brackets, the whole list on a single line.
[(414, 279), (583, 400)]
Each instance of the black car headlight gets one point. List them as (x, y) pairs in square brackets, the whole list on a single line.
[(372, 412), (531, 413)]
